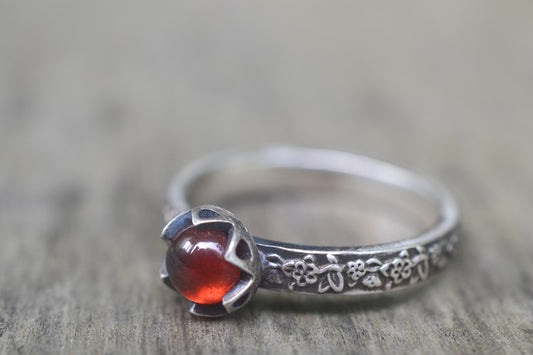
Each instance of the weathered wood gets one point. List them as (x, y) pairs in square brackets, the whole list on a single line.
[(101, 102)]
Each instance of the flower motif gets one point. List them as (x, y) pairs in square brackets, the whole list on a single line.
[(355, 270), (437, 256), (372, 281), (302, 271), (451, 243), (400, 268)]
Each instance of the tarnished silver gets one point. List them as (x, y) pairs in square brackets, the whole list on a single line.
[(295, 268)]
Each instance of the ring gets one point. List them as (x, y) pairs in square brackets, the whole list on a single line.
[(214, 261)]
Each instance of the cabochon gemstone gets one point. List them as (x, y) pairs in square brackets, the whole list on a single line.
[(197, 268)]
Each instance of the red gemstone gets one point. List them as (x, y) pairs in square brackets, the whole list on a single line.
[(197, 268)]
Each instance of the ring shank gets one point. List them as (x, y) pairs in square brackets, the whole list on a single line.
[(300, 268)]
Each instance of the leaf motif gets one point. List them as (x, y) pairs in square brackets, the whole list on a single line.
[(404, 254), (274, 278), (321, 287), (274, 259), (309, 259), (332, 259), (384, 269), (288, 268), (423, 269), (336, 281), (373, 264), (373, 261)]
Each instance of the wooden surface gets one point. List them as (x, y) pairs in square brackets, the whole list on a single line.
[(101, 102)]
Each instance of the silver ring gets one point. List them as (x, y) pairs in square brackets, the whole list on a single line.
[(218, 265)]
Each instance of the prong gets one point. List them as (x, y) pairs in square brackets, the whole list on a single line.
[(164, 275), (177, 224), (208, 310)]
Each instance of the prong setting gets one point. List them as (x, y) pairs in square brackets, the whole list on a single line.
[(240, 251)]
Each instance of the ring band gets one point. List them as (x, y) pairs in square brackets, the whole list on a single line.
[(223, 284)]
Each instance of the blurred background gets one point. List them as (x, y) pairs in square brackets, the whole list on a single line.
[(102, 101)]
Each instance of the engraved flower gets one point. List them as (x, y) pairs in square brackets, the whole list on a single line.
[(400, 268), (355, 270), (437, 255), (451, 243), (372, 281), (302, 271)]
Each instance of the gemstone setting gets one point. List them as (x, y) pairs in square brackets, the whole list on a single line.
[(196, 266), (231, 260)]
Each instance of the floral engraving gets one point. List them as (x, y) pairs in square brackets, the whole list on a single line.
[(355, 270), (407, 267), (440, 251), (399, 269), (334, 278), (450, 245), (274, 277), (372, 281), (302, 271), (422, 265), (436, 257)]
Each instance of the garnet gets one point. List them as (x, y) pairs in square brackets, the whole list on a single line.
[(197, 268)]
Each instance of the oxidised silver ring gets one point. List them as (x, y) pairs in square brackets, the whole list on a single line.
[(218, 265)]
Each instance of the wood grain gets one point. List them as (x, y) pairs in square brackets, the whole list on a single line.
[(101, 102)]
